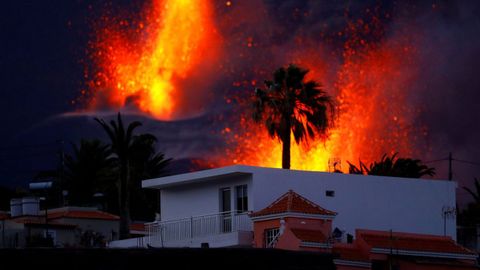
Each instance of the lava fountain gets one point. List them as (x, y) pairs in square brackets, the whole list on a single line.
[(144, 62)]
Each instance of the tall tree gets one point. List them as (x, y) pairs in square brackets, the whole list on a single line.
[(470, 216), (290, 104), (393, 166), (89, 166), (474, 193), (121, 140), (136, 159), (146, 163)]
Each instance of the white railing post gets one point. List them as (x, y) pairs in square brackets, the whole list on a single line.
[(191, 227), (233, 217), (149, 234)]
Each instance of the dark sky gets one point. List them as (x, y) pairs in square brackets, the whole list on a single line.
[(39, 69), (39, 74), (43, 43)]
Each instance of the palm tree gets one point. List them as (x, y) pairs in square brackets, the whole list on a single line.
[(146, 163), (289, 104), (475, 194), (121, 140), (89, 166), (393, 166), (470, 216)]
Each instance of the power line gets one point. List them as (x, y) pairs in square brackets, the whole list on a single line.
[(453, 159), (450, 160), (435, 160), (468, 162)]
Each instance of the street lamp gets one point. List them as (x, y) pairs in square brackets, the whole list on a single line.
[(43, 186)]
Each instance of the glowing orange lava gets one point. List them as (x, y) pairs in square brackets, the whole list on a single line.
[(157, 63), (176, 36), (373, 115)]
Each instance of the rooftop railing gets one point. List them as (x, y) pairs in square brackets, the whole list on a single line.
[(198, 226)]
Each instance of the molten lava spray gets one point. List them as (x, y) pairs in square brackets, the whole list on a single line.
[(147, 66), (373, 115)]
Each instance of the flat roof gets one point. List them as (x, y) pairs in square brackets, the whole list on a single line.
[(238, 170), (198, 176)]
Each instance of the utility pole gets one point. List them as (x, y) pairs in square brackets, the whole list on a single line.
[(62, 161), (450, 172), (60, 169)]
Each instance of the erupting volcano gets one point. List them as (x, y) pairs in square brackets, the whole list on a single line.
[(163, 62), (145, 62)]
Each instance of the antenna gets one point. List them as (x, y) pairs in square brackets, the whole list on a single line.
[(448, 212), (334, 164)]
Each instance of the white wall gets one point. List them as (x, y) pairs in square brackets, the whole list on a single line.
[(200, 198), (362, 202), (365, 202), (104, 227)]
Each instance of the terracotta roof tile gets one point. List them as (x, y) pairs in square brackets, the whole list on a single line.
[(41, 221), (293, 202), (412, 242), (350, 252), (138, 227), (314, 236), (82, 214), (4, 216)]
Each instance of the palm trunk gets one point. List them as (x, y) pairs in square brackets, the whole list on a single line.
[(124, 201), (286, 147)]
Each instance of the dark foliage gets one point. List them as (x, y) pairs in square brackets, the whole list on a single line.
[(88, 171), (290, 104), (135, 159), (471, 215), (393, 166), (474, 193)]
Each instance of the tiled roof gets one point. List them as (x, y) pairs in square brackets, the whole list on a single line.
[(41, 221), (411, 242), (313, 236), (82, 214), (4, 216), (137, 227), (349, 252), (292, 202)]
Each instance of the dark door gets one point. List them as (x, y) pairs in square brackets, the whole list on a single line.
[(225, 208)]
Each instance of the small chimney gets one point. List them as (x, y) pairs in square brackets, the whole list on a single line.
[(15, 207), (30, 206)]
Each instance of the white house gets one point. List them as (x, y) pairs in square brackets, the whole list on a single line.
[(212, 206)]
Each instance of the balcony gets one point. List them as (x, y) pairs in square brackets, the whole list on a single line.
[(218, 230)]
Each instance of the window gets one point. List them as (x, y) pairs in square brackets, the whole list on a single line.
[(242, 198), (225, 208), (330, 193), (271, 237)]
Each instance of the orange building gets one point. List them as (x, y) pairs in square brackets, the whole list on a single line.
[(295, 223)]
